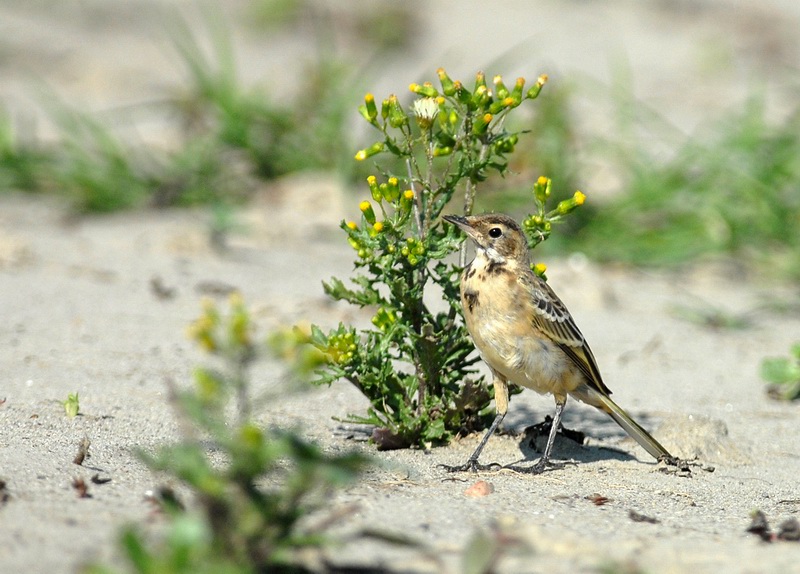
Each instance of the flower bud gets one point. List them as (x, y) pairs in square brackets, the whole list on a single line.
[(384, 318), (499, 105), (448, 87), (481, 124), (539, 269), (397, 117), (541, 189), (390, 191), (480, 81), (537, 87), (369, 110), (568, 205), (516, 92), (500, 90), (407, 199), (366, 209), (427, 90), (462, 94), (375, 148), (481, 96), (373, 188)]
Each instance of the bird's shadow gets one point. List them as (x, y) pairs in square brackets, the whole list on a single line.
[(577, 424)]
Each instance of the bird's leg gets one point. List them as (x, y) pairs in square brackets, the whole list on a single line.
[(501, 403), (544, 461)]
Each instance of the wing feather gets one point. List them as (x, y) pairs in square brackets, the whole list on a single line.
[(551, 316)]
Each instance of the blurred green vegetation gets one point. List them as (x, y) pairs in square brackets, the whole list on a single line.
[(229, 136), (728, 189), (783, 375), (252, 488), (731, 189)]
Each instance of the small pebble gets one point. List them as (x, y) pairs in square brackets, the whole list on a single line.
[(480, 488)]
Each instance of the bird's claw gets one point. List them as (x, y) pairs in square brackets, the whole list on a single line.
[(544, 465), (471, 466)]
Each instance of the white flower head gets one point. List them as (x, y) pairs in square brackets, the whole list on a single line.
[(426, 110)]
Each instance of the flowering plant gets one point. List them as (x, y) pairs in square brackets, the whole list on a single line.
[(417, 365)]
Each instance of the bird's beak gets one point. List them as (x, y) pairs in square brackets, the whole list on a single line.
[(462, 223), (459, 221)]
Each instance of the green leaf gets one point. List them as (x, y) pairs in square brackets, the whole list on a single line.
[(366, 296), (71, 405), (318, 338), (780, 371)]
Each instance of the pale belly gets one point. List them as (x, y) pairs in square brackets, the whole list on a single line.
[(512, 349)]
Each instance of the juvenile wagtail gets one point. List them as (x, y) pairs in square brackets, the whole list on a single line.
[(525, 334)]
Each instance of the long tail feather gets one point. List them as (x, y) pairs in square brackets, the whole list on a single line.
[(630, 426)]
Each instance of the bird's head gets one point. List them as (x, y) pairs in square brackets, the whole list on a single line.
[(498, 236)]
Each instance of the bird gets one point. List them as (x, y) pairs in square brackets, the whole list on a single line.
[(526, 335)]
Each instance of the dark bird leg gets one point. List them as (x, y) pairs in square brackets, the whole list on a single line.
[(501, 402), (544, 461)]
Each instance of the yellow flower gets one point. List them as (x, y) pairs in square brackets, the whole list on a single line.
[(371, 108), (363, 154), (366, 209)]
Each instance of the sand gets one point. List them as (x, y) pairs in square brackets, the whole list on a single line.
[(80, 314)]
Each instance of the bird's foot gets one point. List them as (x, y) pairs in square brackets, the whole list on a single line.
[(681, 467), (543, 465), (471, 465)]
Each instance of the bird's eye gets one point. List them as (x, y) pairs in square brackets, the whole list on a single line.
[(495, 232)]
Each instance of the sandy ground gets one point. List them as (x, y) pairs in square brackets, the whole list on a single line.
[(79, 314)]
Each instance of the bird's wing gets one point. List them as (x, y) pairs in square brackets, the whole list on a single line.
[(551, 316)]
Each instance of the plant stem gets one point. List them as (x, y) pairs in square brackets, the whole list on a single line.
[(417, 198)]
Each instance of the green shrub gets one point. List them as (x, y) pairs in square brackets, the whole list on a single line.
[(251, 496), (416, 365)]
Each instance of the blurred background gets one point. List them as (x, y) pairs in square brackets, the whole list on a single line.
[(677, 118)]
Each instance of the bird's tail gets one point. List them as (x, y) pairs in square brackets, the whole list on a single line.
[(630, 426)]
